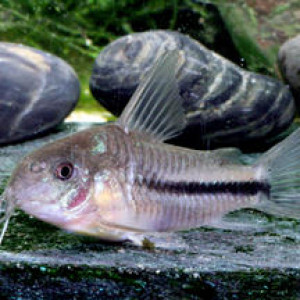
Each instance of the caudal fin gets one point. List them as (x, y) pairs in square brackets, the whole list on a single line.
[(280, 166)]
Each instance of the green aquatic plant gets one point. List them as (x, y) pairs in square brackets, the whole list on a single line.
[(80, 27)]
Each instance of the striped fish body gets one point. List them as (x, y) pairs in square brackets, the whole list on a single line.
[(164, 188)]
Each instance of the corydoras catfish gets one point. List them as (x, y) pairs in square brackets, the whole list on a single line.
[(120, 181)]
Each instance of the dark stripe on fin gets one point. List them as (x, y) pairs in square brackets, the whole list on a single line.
[(250, 188)]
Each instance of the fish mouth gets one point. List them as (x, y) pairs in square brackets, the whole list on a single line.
[(53, 215)]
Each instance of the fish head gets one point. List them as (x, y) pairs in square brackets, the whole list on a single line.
[(55, 182)]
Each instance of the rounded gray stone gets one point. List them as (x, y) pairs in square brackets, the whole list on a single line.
[(289, 63), (224, 103), (37, 91)]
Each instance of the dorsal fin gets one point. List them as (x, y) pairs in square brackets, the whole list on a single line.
[(155, 109)]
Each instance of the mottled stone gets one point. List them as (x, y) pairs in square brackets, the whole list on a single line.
[(289, 63), (224, 104), (37, 91)]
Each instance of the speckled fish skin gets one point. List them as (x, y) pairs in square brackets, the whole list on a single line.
[(120, 181)]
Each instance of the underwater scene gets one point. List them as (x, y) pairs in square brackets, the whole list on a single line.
[(150, 149)]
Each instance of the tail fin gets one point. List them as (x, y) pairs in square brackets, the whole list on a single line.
[(281, 167)]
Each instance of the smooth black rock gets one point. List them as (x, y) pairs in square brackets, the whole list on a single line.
[(224, 104), (38, 90), (289, 63)]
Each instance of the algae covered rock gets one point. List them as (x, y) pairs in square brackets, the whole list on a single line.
[(38, 90), (289, 63), (223, 103)]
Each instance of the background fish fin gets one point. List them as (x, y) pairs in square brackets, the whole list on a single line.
[(230, 155), (156, 107)]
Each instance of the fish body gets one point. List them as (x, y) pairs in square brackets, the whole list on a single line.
[(165, 188), (126, 181), (121, 180)]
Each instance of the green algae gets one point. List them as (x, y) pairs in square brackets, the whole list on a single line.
[(244, 248), (129, 284), (258, 28), (243, 37)]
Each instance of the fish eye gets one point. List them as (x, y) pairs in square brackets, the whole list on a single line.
[(64, 171)]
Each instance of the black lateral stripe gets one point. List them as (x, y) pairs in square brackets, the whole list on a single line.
[(250, 188)]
